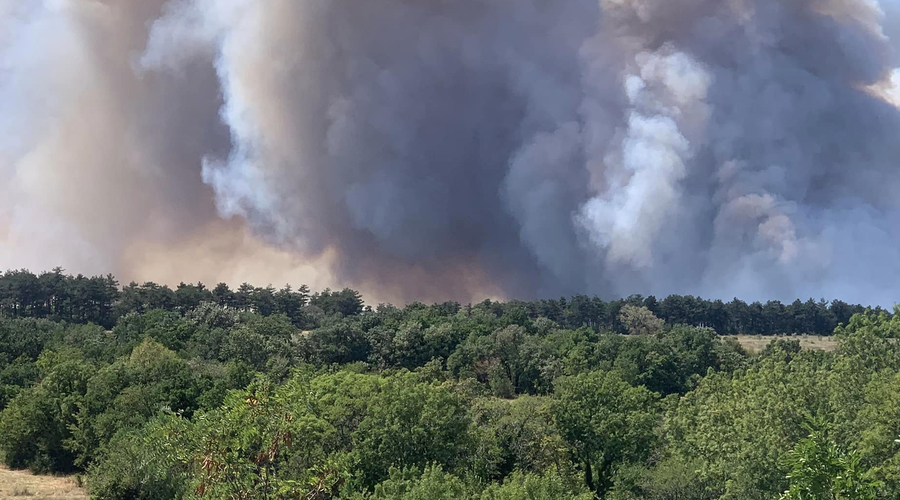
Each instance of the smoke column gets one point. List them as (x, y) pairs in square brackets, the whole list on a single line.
[(438, 149)]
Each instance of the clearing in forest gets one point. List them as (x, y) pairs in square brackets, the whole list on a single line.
[(22, 485), (756, 343)]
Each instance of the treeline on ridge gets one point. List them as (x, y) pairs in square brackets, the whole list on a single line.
[(100, 300)]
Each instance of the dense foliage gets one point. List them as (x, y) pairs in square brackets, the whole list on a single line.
[(217, 394)]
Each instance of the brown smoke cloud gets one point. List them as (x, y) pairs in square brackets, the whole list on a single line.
[(456, 150)]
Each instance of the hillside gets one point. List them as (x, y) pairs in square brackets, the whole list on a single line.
[(250, 394)]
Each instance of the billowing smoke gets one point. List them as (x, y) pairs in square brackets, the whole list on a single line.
[(433, 149)]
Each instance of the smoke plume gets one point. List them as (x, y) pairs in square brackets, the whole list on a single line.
[(437, 149)]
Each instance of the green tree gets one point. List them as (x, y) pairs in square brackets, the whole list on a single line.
[(262, 443), (408, 484), (35, 427), (129, 392), (265, 343), (820, 470), (606, 422), (342, 341), (516, 435), (346, 302), (413, 423), (549, 486), (638, 320), (147, 463), (740, 426)]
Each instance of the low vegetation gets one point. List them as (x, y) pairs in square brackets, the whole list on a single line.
[(27, 486)]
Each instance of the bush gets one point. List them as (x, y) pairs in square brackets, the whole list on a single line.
[(407, 484), (140, 464), (550, 486), (35, 429)]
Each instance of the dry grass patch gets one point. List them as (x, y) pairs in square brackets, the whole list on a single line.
[(23, 485), (756, 343)]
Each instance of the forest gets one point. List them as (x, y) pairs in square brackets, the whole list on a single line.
[(148, 392)]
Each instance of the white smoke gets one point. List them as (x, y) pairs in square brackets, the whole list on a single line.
[(644, 173)]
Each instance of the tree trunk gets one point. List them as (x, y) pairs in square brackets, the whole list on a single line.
[(588, 475)]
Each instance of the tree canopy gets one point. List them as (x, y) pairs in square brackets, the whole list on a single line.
[(202, 393)]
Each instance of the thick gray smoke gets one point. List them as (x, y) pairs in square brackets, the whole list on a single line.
[(456, 149)]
